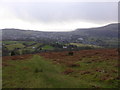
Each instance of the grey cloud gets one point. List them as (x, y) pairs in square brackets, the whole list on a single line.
[(97, 12)]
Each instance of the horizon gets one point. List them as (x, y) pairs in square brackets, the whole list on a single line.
[(61, 31)]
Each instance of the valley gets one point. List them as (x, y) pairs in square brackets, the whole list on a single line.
[(84, 58)]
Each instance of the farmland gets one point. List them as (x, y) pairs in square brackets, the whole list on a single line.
[(30, 47)]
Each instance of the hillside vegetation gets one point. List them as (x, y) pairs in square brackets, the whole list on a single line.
[(83, 69)]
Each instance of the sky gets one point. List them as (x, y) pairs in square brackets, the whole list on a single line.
[(56, 16)]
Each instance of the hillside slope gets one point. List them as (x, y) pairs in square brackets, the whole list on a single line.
[(85, 69), (102, 36)]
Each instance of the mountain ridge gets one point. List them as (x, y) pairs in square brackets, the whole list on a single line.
[(95, 36), (113, 24)]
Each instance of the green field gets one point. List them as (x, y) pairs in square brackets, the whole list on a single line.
[(13, 46), (47, 47), (24, 47), (85, 45)]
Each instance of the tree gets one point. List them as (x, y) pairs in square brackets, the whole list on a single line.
[(12, 53)]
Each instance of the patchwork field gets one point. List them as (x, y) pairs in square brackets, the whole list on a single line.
[(81, 69), (30, 47)]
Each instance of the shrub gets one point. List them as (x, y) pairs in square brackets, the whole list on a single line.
[(70, 53), (12, 53)]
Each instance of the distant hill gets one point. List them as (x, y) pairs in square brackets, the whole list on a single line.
[(110, 30), (85, 35)]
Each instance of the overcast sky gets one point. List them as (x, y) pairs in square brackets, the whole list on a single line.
[(57, 16)]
